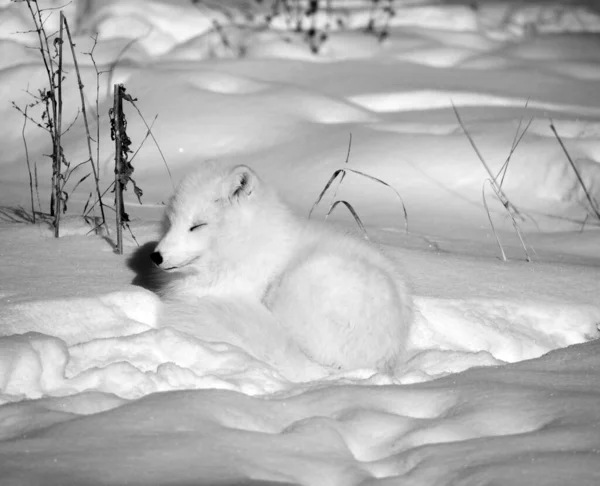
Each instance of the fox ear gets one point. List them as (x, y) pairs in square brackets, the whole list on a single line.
[(241, 182)]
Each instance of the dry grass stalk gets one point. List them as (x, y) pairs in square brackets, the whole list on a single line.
[(515, 143), (363, 174), (593, 204), (149, 132), (354, 214), (342, 174), (497, 188), (487, 210)]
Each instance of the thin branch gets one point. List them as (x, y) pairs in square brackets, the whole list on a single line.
[(85, 119), (24, 113), (39, 30), (37, 187), (28, 165), (58, 155), (91, 54), (72, 123)]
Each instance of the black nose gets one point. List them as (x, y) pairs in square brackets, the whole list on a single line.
[(156, 257)]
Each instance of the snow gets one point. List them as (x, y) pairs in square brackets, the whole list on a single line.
[(101, 382)]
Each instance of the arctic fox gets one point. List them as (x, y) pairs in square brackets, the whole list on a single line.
[(228, 235)]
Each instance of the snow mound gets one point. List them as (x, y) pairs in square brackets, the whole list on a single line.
[(431, 100), (528, 420), (130, 344), (224, 83), (510, 331), (158, 26)]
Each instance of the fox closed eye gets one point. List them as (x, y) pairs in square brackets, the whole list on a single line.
[(196, 226)]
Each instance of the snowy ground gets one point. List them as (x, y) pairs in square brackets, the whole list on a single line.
[(83, 348)]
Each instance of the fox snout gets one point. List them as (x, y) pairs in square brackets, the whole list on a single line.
[(157, 258), (168, 263)]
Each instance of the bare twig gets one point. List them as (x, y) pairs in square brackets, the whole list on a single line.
[(57, 152), (28, 165), (91, 54), (33, 120), (37, 187), (131, 233), (72, 123), (85, 120), (43, 40), (49, 98), (118, 128)]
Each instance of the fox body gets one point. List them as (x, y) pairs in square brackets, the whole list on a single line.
[(227, 235)]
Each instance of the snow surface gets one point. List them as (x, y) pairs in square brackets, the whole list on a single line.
[(85, 344)]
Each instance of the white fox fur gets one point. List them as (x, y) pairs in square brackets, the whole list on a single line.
[(227, 235)]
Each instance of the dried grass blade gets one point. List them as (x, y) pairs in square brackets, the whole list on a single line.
[(154, 139), (327, 186), (354, 214), (516, 142), (392, 188), (472, 142), (487, 210), (577, 173)]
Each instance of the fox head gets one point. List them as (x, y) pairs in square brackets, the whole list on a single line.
[(209, 209)]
